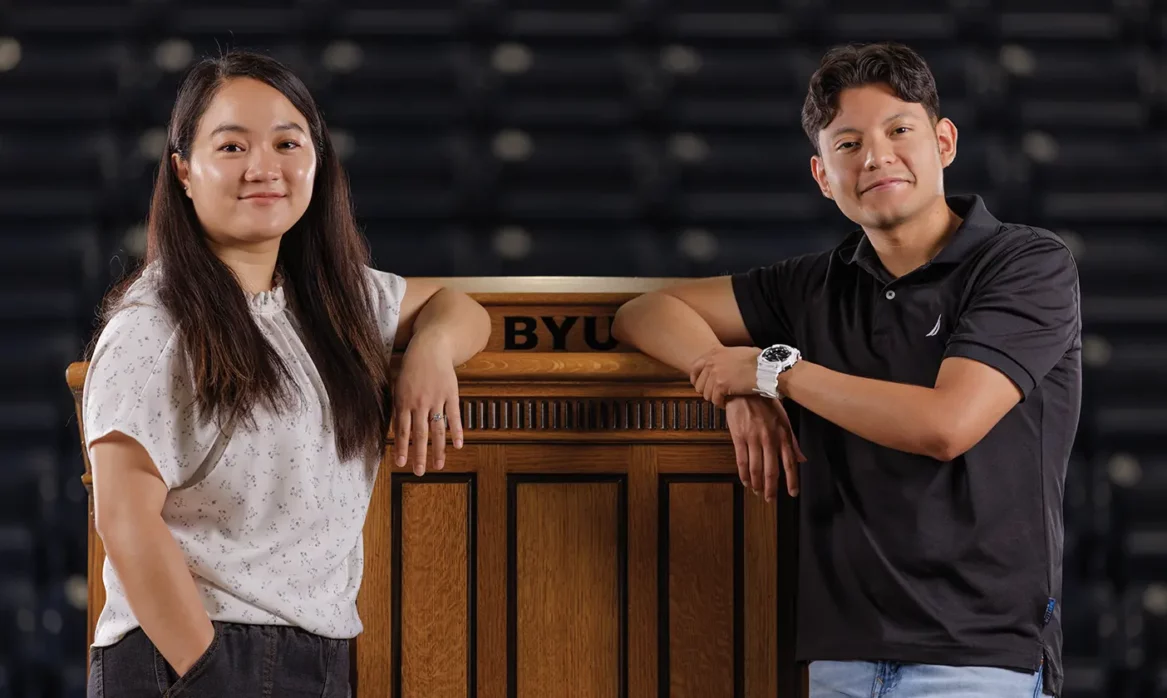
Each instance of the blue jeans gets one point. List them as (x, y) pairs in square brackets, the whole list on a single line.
[(899, 680)]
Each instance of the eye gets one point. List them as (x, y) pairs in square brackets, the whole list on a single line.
[(225, 146), (290, 144), (901, 129), (846, 145)]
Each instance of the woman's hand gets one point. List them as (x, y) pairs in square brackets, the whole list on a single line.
[(761, 434), (426, 386)]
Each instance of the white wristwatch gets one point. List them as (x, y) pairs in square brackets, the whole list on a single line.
[(771, 362)]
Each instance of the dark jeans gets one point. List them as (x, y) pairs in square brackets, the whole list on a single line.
[(242, 661)]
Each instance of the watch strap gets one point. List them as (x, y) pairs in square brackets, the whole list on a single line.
[(767, 379), (768, 369)]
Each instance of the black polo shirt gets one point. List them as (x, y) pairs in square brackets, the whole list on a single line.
[(903, 557)]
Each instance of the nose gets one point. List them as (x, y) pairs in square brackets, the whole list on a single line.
[(880, 153), (262, 166)]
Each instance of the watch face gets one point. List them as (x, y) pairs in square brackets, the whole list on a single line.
[(776, 354)]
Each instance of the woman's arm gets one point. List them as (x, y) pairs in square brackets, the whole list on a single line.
[(441, 328), (441, 319), (129, 494)]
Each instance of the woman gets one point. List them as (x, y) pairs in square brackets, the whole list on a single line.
[(238, 397)]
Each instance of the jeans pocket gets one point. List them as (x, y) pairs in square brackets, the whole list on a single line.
[(190, 679)]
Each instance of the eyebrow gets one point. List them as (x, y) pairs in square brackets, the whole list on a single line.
[(236, 128), (849, 129)]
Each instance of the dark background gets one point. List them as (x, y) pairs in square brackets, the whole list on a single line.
[(593, 137)]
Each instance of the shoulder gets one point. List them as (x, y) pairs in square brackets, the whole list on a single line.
[(137, 347), (1014, 238), (815, 270), (386, 291), (814, 261), (803, 268), (387, 288), (139, 327), (1027, 248)]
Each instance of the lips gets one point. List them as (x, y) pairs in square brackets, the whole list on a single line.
[(886, 181), (264, 195)]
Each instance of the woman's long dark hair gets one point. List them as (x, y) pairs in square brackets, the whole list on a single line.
[(322, 260)]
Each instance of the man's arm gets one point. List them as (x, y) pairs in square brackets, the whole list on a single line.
[(129, 494), (678, 324), (941, 422), (1017, 326)]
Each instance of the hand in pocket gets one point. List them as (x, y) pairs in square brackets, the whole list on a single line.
[(199, 674)]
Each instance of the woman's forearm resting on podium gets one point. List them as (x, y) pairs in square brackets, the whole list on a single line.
[(442, 320)]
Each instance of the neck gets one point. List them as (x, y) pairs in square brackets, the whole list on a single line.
[(913, 243), (253, 266)]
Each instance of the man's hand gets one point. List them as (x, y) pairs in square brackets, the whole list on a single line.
[(426, 386), (725, 372), (761, 433)]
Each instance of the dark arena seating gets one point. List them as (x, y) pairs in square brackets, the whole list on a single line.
[(594, 137)]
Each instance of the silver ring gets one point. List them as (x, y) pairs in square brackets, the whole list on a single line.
[(437, 417)]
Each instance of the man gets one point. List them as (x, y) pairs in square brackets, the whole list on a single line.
[(935, 356)]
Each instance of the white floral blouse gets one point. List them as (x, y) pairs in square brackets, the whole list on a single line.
[(269, 519)]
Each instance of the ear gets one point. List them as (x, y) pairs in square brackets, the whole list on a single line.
[(946, 141), (181, 170), (818, 170)]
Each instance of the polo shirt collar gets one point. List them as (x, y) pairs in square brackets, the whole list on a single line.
[(977, 226)]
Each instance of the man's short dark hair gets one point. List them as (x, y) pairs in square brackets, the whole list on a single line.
[(856, 65)]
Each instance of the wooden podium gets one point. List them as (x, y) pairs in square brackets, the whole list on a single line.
[(591, 539)]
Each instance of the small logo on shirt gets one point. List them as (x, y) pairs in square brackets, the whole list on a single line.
[(935, 329)]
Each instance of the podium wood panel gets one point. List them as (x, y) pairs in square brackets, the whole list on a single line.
[(567, 574), (435, 608), (702, 524), (590, 539)]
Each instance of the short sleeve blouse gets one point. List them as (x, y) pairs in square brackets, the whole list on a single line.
[(269, 518)]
